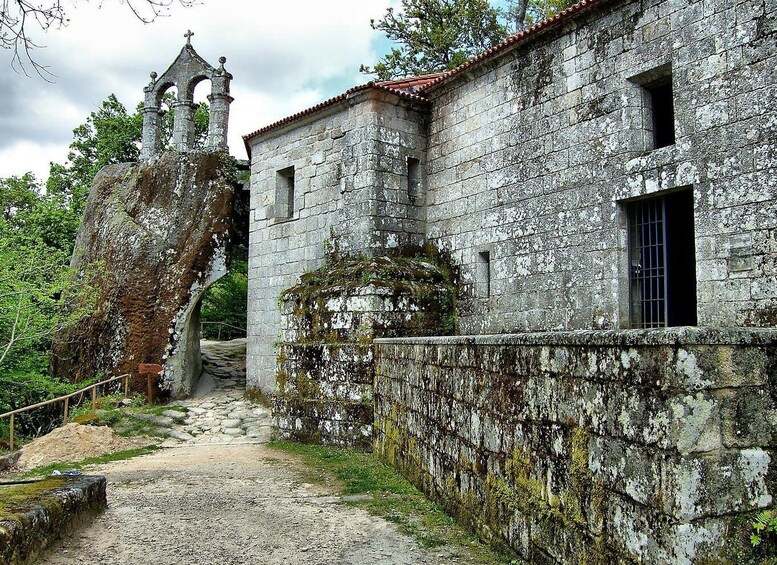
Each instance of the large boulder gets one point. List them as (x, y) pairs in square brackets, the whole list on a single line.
[(160, 233)]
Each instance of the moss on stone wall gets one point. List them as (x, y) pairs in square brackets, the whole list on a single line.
[(325, 366), (32, 515)]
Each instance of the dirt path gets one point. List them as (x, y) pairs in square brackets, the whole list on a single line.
[(229, 504), (217, 495)]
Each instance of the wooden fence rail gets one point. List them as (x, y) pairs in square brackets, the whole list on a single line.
[(66, 398), (220, 325)]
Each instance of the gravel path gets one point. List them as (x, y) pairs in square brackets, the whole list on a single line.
[(216, 496), (229, 504)]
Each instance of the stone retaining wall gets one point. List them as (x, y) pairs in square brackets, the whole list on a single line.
[(56, 507), (587, 446)]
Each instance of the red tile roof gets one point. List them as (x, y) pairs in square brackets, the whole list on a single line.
[(403, 88), (415, 88), (413, 84)]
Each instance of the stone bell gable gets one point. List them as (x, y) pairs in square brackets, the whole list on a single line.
[(186, 72)]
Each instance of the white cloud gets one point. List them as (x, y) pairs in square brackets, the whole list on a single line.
[(285, 56)]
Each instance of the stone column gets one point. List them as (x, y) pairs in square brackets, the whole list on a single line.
[(151, 133), (219, 108), (219, 120), (151, 140), (183, 125)]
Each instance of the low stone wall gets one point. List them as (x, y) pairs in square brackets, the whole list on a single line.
[(588, 446), (46, 511)]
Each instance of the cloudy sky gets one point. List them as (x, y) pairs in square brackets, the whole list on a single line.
[(284, 55)]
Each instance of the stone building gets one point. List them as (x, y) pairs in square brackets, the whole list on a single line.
[(604, 182), (613, 167)]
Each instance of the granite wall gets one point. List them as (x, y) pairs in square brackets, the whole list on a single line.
[(533, 157), (588, 447), (325, 364), (349, 166)]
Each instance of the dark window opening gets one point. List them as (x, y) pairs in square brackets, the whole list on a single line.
[(662, 112), (284, 194), (662, 261), (413, 178), (484, 273)]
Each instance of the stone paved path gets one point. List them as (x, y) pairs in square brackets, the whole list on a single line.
[(218, 413)]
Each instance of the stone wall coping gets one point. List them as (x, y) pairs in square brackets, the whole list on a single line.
[(26, 534), (633, 337)]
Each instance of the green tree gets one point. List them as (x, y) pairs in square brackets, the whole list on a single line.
[(226, 302), (201, 121), (109, 135), (438, 35), (521, 14), (38, 292), (435, 35)]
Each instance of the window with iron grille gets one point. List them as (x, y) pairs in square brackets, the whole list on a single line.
[(662, 261)]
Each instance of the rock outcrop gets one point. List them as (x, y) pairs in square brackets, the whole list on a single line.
[(161, 234)]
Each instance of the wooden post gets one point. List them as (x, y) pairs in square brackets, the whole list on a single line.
[(11, 440), (67, 404), (94, 400), (126, 386), (149, 369)]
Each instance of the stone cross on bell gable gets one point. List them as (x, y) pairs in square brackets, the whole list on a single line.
[(186, 72)]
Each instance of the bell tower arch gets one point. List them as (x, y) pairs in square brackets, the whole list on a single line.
[(188, 70)]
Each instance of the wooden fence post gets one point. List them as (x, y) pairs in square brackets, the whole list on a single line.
[(11, 440), (67, 405), (149, 369)]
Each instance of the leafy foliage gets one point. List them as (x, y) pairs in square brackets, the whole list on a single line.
[(109, 135), (438, 35), (225, 303), (521, 14), (38, 292), (28, 385), (435, 35), (201, 121), (765, 529)]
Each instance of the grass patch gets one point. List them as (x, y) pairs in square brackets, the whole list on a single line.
[(258, 397), (123, 419), (79, 465), (393, 498)]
